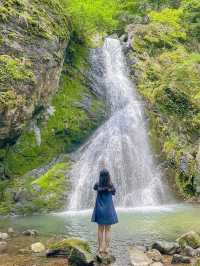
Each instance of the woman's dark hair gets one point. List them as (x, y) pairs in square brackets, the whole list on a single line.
[(104, 179)]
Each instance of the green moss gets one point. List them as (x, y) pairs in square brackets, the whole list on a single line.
[(53, 179), (70, 243), (42, 18), (9, 99), (69, 125), (44, 193), (14, 70)]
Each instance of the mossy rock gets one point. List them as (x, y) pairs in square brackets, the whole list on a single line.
[(191, 239), (77, 251)]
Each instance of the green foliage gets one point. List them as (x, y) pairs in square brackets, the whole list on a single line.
[(191, 17), (89, 17), (169, 79)]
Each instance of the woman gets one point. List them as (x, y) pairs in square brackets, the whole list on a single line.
[(104, 213)]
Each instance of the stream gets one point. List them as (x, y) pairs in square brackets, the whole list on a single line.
[(140, 225)]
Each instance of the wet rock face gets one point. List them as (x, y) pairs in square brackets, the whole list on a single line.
[(32, 59)]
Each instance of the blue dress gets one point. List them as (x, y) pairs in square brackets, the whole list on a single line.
[(104, 211)]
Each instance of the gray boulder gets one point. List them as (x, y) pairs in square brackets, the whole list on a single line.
[(177, 258), (166, 247), (189, 251)]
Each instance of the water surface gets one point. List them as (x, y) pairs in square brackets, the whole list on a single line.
[(141, 225)]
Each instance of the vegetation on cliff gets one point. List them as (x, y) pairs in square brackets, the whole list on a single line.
[(168, 75)]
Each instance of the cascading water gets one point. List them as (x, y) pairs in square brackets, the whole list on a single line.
[(120, 144)]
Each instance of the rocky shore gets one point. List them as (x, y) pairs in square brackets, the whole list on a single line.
[(30, 248)]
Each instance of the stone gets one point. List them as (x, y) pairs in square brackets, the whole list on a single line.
[(76, 250), (197, 251), (166, 247), (191, 239), (189, 251), (37, 247), (11, 230), (138, 257), (4, 236), (157, 264), (177, 258), (3, 246), (155, 255), (30, 232), (105, 260)]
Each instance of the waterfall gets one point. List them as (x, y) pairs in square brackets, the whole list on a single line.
[(121, 144)]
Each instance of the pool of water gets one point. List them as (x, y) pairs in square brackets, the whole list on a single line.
[(136, 225)]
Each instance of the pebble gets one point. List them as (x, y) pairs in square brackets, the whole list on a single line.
[(4, 236), (37, 247)]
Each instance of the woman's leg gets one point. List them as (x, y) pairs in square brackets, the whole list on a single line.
[(107, 237), (100, 237)]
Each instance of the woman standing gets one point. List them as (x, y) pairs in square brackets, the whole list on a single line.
[(104, 213)]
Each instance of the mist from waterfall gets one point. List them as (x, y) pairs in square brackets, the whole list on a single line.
[(121, 144)]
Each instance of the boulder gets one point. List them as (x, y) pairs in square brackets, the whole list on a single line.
[(11, 230), (197, 251), (167, 248), (37, 247), (189, 251), (177, 258), (191, 239), (4, 236), (105, 260), (30, 232), (3, 246), (76, 250), (138, 257), (155, 255)]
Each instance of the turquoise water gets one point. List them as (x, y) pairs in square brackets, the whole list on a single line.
[(136, 226)]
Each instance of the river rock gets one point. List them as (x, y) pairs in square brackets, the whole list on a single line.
[(30, 232), (197, 251), (4, 236), (105, 260), (37, 247), (11, 230), (177, 258), (167, 248), (157, 264), (138, 257), (189, 251), (3, 246), (191, 239), (155, 255), (76, 250)]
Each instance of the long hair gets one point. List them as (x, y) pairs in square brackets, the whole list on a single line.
[(104, 179)]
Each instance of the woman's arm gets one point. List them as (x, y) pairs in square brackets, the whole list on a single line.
[(112, 190), (96, 186)]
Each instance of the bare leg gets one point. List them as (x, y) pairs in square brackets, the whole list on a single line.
[(107, 238), (100, 238)]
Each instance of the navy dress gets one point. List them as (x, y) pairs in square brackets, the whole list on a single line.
[(104, 211)]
